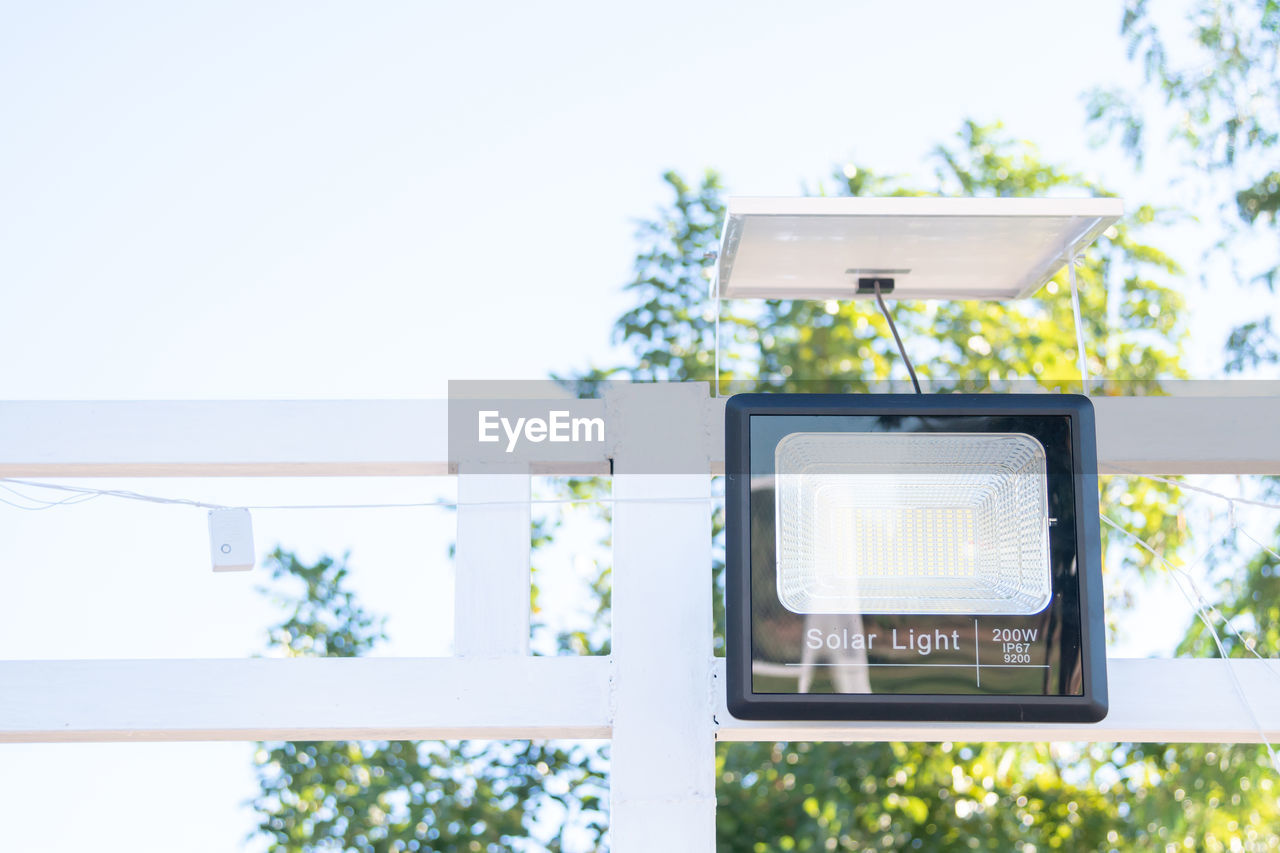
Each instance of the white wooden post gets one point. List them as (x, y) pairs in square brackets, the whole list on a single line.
[(662, 776), (491, 584)]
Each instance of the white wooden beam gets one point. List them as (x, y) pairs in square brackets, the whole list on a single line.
[(223, 438), (492, 572), (304, 699), (1161, 701), (1143, 435), (1164, 435), (1188, 435)]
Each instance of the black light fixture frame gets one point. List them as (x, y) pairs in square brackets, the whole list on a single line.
[(1089, 705)]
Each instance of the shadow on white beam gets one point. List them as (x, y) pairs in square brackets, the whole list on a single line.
[(1155, 700)]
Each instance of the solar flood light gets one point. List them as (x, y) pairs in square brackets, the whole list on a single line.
[(913, 557)]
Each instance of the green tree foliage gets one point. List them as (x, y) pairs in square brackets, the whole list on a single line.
[(954, 796), (1220, 72), (784, 796), (1217, 71), (385, 797), (1129, 302), (1130, 310)]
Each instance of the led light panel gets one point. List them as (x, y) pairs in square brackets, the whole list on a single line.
[(924, 523)]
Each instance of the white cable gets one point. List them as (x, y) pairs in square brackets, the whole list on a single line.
[(1202, 608), (81, 494), (1203, 613), (89, 494), (1250, 645), (1075, 309), (715, 284), (457, 504), (114, 493), (41, 503), (1230, 499), (1249, 536), (1235, 681), (84, 494), (48, 505)]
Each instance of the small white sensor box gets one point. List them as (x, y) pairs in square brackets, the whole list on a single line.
[(231, 540)]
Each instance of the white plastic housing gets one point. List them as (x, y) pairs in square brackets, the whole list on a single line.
[(231, 540), (912, 523), (932, 248)]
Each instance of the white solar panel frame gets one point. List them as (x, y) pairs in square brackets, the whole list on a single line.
[(933, 248)]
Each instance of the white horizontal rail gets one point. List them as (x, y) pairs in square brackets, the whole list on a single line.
[(1152, 700), (1146, 435), (1162, 701), (1188, 435), (223, 438), (305, 699)]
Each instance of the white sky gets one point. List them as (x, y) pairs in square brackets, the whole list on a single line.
[(298, 200)]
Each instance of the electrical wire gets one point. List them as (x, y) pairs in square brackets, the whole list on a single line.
[(1199, 604), (902, 350), (1205, 611), (893, 328), (93, 493), (41, 503), (1250, 537), (1081, 360), (715, 296), (1230, 499), (82, 494), (457, 504), (1182, 572)]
